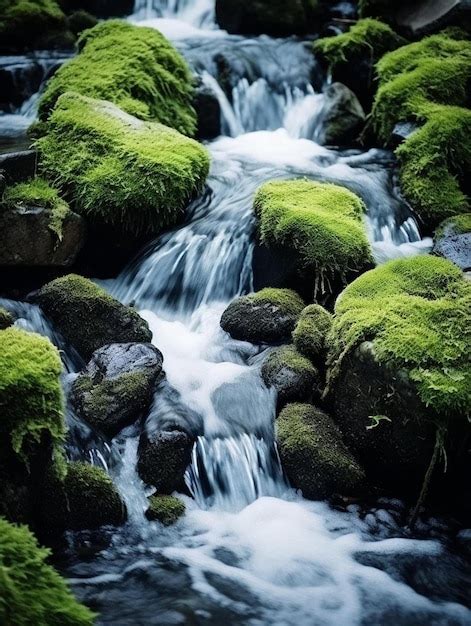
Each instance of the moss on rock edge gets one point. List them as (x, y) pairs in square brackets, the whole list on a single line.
[(165, 509), (310, 334), (291, 374), (6, 319)]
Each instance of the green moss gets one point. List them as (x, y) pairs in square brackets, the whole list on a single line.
[(457, 225), (285, 299), (367, 37), (39, 193), (310, 334), (30, 391), (291, 374), (165, 509), (79, 21), (287, 356), (320, 221), (6, 319), (417, 312), (135, 68), (133, 175), (31, 591)]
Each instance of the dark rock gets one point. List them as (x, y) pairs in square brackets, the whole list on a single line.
[(117, 385), (163, 458), (401, 131), (453, 241), (165, 509), (342, 116), (20, 77), (426, 17), (18, 166), (208, 112)]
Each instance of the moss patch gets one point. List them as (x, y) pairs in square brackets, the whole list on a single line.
[(417, 312), (6, 319), (165, 509), (31, 591), (310, 334), (457, 225), (292, 375), (135, 68), (119, 171)]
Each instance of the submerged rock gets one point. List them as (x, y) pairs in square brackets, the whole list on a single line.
[(117, 385), (342, 116), (453, 241), (165, 509), (267, 316)]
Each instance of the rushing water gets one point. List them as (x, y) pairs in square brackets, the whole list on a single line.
[(249, 550)]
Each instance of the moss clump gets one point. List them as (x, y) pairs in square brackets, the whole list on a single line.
[(135, 68), (321, 222), (310, 334), (291, 374), (79, 21), (39, 193), (457, 225), (313, 454), (6, 319), (165, 509), (119, 171), (31, 591), (30, 391), (417, 313)]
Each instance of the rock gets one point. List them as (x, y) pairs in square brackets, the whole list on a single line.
[(429, 16), (313, 454), (453, 241), (342, 116), (401, 131), (6, 319), (163, 458), (18, 166), (165, 509), (267, 316), (88, 317), (310, 334), (117, 385), (208, 113), (291, 374)]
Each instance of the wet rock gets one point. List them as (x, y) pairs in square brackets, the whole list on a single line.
[(313, 454), (401, 131), (20, 77), (453, 241), (117, 385), (425, 17), (310, 334), (18, 166), (165, 509), (208, 112), (342, 116)]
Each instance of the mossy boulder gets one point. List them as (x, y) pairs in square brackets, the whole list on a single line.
[(117, 385), (341, 118), (79, 21), (452, 240), (31, 590), (165, 509), (313, 454), (267, 316), (135, 68), (291, 374), (6, 319), (311, 332), (321, 223), (132, 176), (88, 317)]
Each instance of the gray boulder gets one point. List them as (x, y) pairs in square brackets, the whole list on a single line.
[(429, 16), (453, 241), (342, 117)]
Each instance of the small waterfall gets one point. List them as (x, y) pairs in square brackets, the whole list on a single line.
[(199, 13)]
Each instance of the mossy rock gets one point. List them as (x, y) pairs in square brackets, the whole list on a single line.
[(6, 319), (452, 240), (79, 21), (291, 374), (135, 68), (321, 222), (31, 590), (165, 509), (267, 316), (313, 454), (311, 331), (133, 176), (88, 317)]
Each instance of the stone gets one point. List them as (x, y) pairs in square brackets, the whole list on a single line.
[(18, 166), (342, 116), (429, 16), (208, 112)]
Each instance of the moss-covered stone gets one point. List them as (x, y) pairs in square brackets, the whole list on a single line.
[(267, 316), (31, 590), (80, 20), (135, 68), (313, 454), (452, 240), (134, 176), (88, 317), (6, 319), (457, 225), (310, 333), (321, 222), (165, 509)]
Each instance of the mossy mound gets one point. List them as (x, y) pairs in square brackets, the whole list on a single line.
[(135, 68), (6, 319), (165, 509), (88, 317), (134, 176), (31, 591), (310, 334), (267, 316), (313, 454), (417, 313), (457, 225), (321, 222), (31, 395)]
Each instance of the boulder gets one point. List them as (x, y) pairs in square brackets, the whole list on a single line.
[(453, 241), (425, 17), (88, 317), (165, 509), (310, 333), (117, 385), (314, 456), (267, 316), (18, 166), (341, 118), (208, 113)]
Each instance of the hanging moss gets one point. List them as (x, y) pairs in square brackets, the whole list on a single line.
[(135, 68), (417, 312), (310, 334), (165, 509)]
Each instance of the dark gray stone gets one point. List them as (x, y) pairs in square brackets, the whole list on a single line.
[(456, 248), (401, 131), (18, 166), (342, 117), (430, 16), (163, 458), (208, 112)]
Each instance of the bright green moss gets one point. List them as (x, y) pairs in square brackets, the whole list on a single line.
[(286, 300), (457, 225), (310, 334), (119, 171), (6, 319), (135, 68), (320, 221), (31, 397), (31, 591), (417, 312), (165, 509), (367, 37), (38, 192)]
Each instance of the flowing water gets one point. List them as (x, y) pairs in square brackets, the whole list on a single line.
[(249, 549)]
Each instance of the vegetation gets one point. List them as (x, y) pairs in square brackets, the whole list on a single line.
[(119, 171), (310, 334), (457, 225), (135, 68), (31, 591), (292, 375), (165, 509)]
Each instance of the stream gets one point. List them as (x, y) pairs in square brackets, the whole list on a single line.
[(250, 550)]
